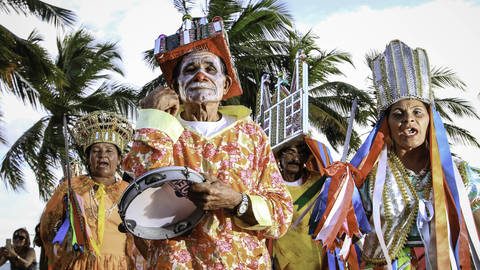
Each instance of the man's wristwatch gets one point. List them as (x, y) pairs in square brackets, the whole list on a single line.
[(243, 206)]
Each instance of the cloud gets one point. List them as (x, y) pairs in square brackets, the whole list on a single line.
[(446, 29)]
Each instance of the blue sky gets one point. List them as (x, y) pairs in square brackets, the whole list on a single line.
[(447, 29), (310, 11)]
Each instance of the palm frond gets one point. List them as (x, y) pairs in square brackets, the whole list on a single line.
[(2, 138), (268, 18), (44, 11), (110, 97), (332, 124), (460, 135), (456, 106), (340, 95), (227, 9), (50, 152), (183, 6), (24, 149), (24, 66), (147, 88), (149, 59), (443, 77)]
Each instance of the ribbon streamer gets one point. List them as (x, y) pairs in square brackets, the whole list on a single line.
[(425, 214), (377, 200)]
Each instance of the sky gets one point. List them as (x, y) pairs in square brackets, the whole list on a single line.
[(447, 29)]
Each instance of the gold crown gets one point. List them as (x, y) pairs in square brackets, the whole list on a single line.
[(102, 126)]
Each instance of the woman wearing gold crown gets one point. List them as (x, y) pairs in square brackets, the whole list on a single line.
[(422, 203), (85, 234)]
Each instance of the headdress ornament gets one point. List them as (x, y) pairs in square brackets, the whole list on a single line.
[(103, 126), (196, 34), (401, 73)]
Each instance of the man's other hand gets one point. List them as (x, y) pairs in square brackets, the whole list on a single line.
[(164, 99)]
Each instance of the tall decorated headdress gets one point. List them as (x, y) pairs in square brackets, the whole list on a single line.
[(103, 127), (196, 34), (399, 73)]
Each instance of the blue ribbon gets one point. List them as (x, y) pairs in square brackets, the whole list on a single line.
[(322, 154), (62, 232), (365, 148)]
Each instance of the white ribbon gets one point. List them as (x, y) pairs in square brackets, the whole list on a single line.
[(377, 201), (425, 215), (186, 37), (468, 218), (334, 212), (345, 248)]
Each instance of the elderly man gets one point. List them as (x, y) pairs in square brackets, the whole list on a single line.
[(244, 197)]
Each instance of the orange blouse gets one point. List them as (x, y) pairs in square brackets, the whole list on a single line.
[(113, 250)]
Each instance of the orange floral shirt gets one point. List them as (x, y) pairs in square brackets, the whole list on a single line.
[(241, 156)]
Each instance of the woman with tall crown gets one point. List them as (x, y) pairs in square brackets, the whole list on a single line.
[(79, 226), (421, 202)]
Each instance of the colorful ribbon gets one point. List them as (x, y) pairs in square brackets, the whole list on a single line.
[(425, 215)]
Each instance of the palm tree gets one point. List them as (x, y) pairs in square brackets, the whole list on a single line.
[(257, 34), (450, 108), (81, 70), (23, 62), (443, 78), (330, 101)]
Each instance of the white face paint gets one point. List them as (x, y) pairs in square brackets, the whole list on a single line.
[(201, 78)]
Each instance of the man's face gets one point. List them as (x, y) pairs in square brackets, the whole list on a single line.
[(201, 78), (292, 160)]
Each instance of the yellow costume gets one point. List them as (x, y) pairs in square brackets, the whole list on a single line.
[(112, 251), (296, 249), (79, 225)]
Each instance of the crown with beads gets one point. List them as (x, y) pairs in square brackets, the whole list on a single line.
[(196, 34), (401, 73), (102, 126)]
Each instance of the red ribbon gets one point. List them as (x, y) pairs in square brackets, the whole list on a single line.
[(344, 222)]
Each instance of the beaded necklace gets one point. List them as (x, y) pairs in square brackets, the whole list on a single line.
[(410, 187)]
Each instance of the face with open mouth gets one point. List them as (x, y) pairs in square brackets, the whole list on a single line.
[(408, 121), (103, 160)]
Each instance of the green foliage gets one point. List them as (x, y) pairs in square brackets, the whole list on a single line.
[(23, 63), (44, 11), (330, 101), (82, 70)]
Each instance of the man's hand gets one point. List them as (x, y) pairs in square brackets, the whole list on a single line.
[(164, 99), (213, 194)]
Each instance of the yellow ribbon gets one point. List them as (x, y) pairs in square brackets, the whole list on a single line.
[(100, 197), (441, 227)]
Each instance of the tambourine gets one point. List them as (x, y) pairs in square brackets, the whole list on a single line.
[(155, 206)]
